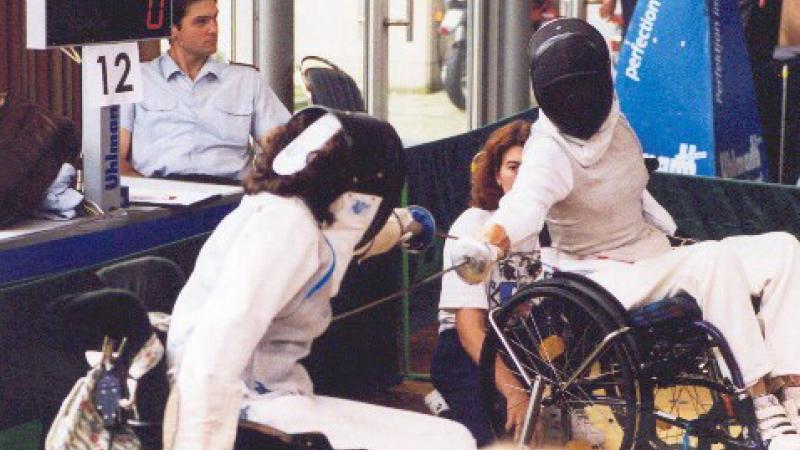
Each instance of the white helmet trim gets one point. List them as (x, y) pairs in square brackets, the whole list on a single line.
[(294, 157)]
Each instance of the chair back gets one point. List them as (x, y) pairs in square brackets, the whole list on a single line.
[(155, 280), (329, 86)]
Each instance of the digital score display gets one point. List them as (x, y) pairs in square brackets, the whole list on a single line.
[(55, 23)]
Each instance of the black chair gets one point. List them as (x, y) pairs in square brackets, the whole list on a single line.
[(156, 281), (329, 86), (73, 324), (76, 323)]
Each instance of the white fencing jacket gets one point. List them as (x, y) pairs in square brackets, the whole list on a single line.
[(548, 178), (258, 297)]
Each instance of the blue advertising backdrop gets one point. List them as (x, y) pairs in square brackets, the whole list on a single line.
[(684, 82)]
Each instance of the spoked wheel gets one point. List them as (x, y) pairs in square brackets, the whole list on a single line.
[(580, 352), (696, 407)]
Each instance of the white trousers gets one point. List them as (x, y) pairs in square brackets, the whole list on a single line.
[(355, 425), (722, 276)]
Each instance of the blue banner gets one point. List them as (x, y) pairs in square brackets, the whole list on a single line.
[(739, 145), (684, 83)]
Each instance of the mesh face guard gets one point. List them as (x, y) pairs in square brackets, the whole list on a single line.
[(570, 72), (369, 159)]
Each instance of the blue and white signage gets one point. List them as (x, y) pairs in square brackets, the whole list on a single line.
[(684, 83)]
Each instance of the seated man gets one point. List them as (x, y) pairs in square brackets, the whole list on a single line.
[(197, 114)]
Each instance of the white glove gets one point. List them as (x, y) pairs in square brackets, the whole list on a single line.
[(475, 257)]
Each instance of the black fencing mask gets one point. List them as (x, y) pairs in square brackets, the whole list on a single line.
[(571, 76), (365, 153)]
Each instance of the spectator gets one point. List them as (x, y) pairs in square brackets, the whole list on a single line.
[(198, 115)]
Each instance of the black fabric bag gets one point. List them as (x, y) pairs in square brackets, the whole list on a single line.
[(34, 144)]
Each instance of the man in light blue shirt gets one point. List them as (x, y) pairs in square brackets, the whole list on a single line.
[(197, 115)]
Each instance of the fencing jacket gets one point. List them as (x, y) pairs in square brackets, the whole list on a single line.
[(592, 194), (256, 300)]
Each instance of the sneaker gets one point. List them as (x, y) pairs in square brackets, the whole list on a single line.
[(774, 425), (436, 403), (792, 406), (584, 430)]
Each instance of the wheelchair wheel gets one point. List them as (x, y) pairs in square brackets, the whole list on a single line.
[(694, 405), (555, 329)]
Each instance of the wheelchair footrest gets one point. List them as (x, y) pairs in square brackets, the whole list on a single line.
[(680, 307)]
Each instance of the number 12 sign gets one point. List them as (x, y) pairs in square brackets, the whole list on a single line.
[(112, 74)]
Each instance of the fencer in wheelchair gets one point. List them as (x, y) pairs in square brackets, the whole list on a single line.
[(690, 371), (322, 193)]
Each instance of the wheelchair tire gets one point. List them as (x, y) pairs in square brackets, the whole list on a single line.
[(696, 390), (550, 327)]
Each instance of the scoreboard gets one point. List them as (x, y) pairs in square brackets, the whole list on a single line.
[(55, 23)]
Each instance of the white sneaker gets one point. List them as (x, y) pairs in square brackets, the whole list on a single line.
[(792, 405), (436, 403), (774, 425), (584, 430)]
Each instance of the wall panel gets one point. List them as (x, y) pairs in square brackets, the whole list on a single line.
[(47, 77)]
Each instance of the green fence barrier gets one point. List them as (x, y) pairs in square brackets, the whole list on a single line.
[(22, 437)]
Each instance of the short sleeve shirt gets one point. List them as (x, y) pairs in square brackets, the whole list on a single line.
[(519, 268), (200, 126)]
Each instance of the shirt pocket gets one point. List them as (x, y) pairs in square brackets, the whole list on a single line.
[(160, 105), (234, 119), (158, 120)]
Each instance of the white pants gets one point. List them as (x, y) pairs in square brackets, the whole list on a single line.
[(356, 425), (722, 276)]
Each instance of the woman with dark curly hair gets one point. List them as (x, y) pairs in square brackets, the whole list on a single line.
[(323, 193), (462, 307)]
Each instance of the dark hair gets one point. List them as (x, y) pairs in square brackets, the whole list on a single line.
[(179, 8), (485, 193), (321, 182)]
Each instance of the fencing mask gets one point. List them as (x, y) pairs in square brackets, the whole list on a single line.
[(570, 72), (345, 152)]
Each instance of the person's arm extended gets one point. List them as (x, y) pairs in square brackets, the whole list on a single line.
[(264, 272), (545, 178), (125, 154)]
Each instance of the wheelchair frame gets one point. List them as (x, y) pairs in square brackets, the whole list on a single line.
[(632, 337)]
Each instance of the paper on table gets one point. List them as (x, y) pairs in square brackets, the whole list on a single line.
[(33, 226), (155, 191)]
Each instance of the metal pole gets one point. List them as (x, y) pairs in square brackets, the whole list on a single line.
[(275, 49), (516, 32), (479, 98), (377, 80)]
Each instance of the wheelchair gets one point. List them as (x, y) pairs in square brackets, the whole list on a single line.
[(657, 377), (75, 323)]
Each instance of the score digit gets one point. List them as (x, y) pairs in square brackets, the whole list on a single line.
[(155, 14)]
